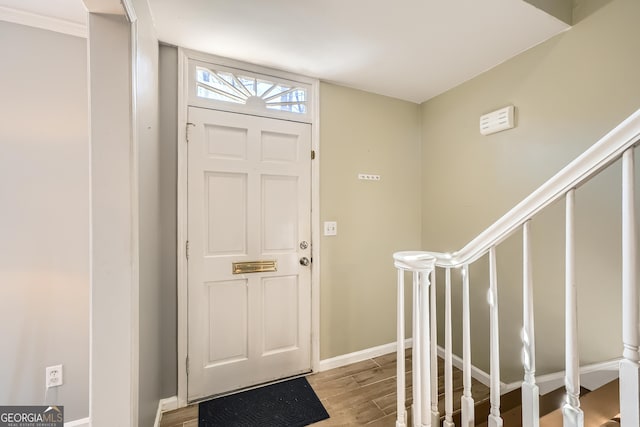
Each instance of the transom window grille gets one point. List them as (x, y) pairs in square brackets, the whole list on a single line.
[(257, 92)]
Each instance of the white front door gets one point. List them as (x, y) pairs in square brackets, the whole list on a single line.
[(249, 197)]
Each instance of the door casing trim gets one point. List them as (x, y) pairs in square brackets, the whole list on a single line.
[(184, 55)]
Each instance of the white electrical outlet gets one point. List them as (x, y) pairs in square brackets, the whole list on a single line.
[(53, 376)]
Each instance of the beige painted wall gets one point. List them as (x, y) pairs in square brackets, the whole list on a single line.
[(568, 92), (365, 133)]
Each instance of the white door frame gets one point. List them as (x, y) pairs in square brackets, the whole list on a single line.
[(184, 56)]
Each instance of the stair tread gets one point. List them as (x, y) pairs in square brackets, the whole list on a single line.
[(599, 406), (508, 402), (512, 416)]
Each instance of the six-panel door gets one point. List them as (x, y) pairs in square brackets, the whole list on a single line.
[(248, 206)]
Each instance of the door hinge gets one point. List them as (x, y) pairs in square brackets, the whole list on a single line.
[(187, 363), (186, 249), (313, 154), (187, 130)]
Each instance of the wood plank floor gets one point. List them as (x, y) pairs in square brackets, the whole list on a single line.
[(362, 393)]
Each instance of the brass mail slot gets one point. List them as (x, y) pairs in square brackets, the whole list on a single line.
[(254, 267)]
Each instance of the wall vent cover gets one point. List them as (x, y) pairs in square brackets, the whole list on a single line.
[(497, 121)]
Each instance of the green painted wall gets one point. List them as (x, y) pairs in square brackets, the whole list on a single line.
[(561, 9), (365, 133), (568, 92)]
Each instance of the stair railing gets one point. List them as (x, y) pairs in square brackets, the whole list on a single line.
[(619, 143)]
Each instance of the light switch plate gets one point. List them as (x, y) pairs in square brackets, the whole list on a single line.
[(330, 228)]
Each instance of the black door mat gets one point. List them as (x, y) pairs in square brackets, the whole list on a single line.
[(291, 403)]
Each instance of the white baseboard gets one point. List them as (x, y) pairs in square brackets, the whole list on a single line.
[(605, 373), (165, 405), (476, 373), (84, 422), (591, 376), (359, 356), (368, 353), (168, 404)]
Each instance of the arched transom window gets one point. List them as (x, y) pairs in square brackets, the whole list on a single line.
[(255, 92)]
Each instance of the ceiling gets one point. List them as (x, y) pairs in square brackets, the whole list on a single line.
[(407, 49)]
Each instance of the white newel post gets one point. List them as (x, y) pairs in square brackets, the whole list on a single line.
[(629, 366), (421, 264), (466, 401), (448, 366), (530, 392), (495, 420), (572, 414)]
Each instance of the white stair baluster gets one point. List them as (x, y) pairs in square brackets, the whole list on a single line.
[(401, 418), (572, 414), (495, 420), (466, 401), (435, 414), (425, 367), (530, 392), (417, 354), (629, 366), (421, 264), (448, 367)]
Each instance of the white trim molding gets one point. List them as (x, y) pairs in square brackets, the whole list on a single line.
[(359, 356), (165, 405), (476, 373), (315, 229), (43, 22), (181, 234), (592, 376), (84, 422)]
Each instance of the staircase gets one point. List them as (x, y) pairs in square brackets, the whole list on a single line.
[(511, 407), (435, 403), (600, 406)]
